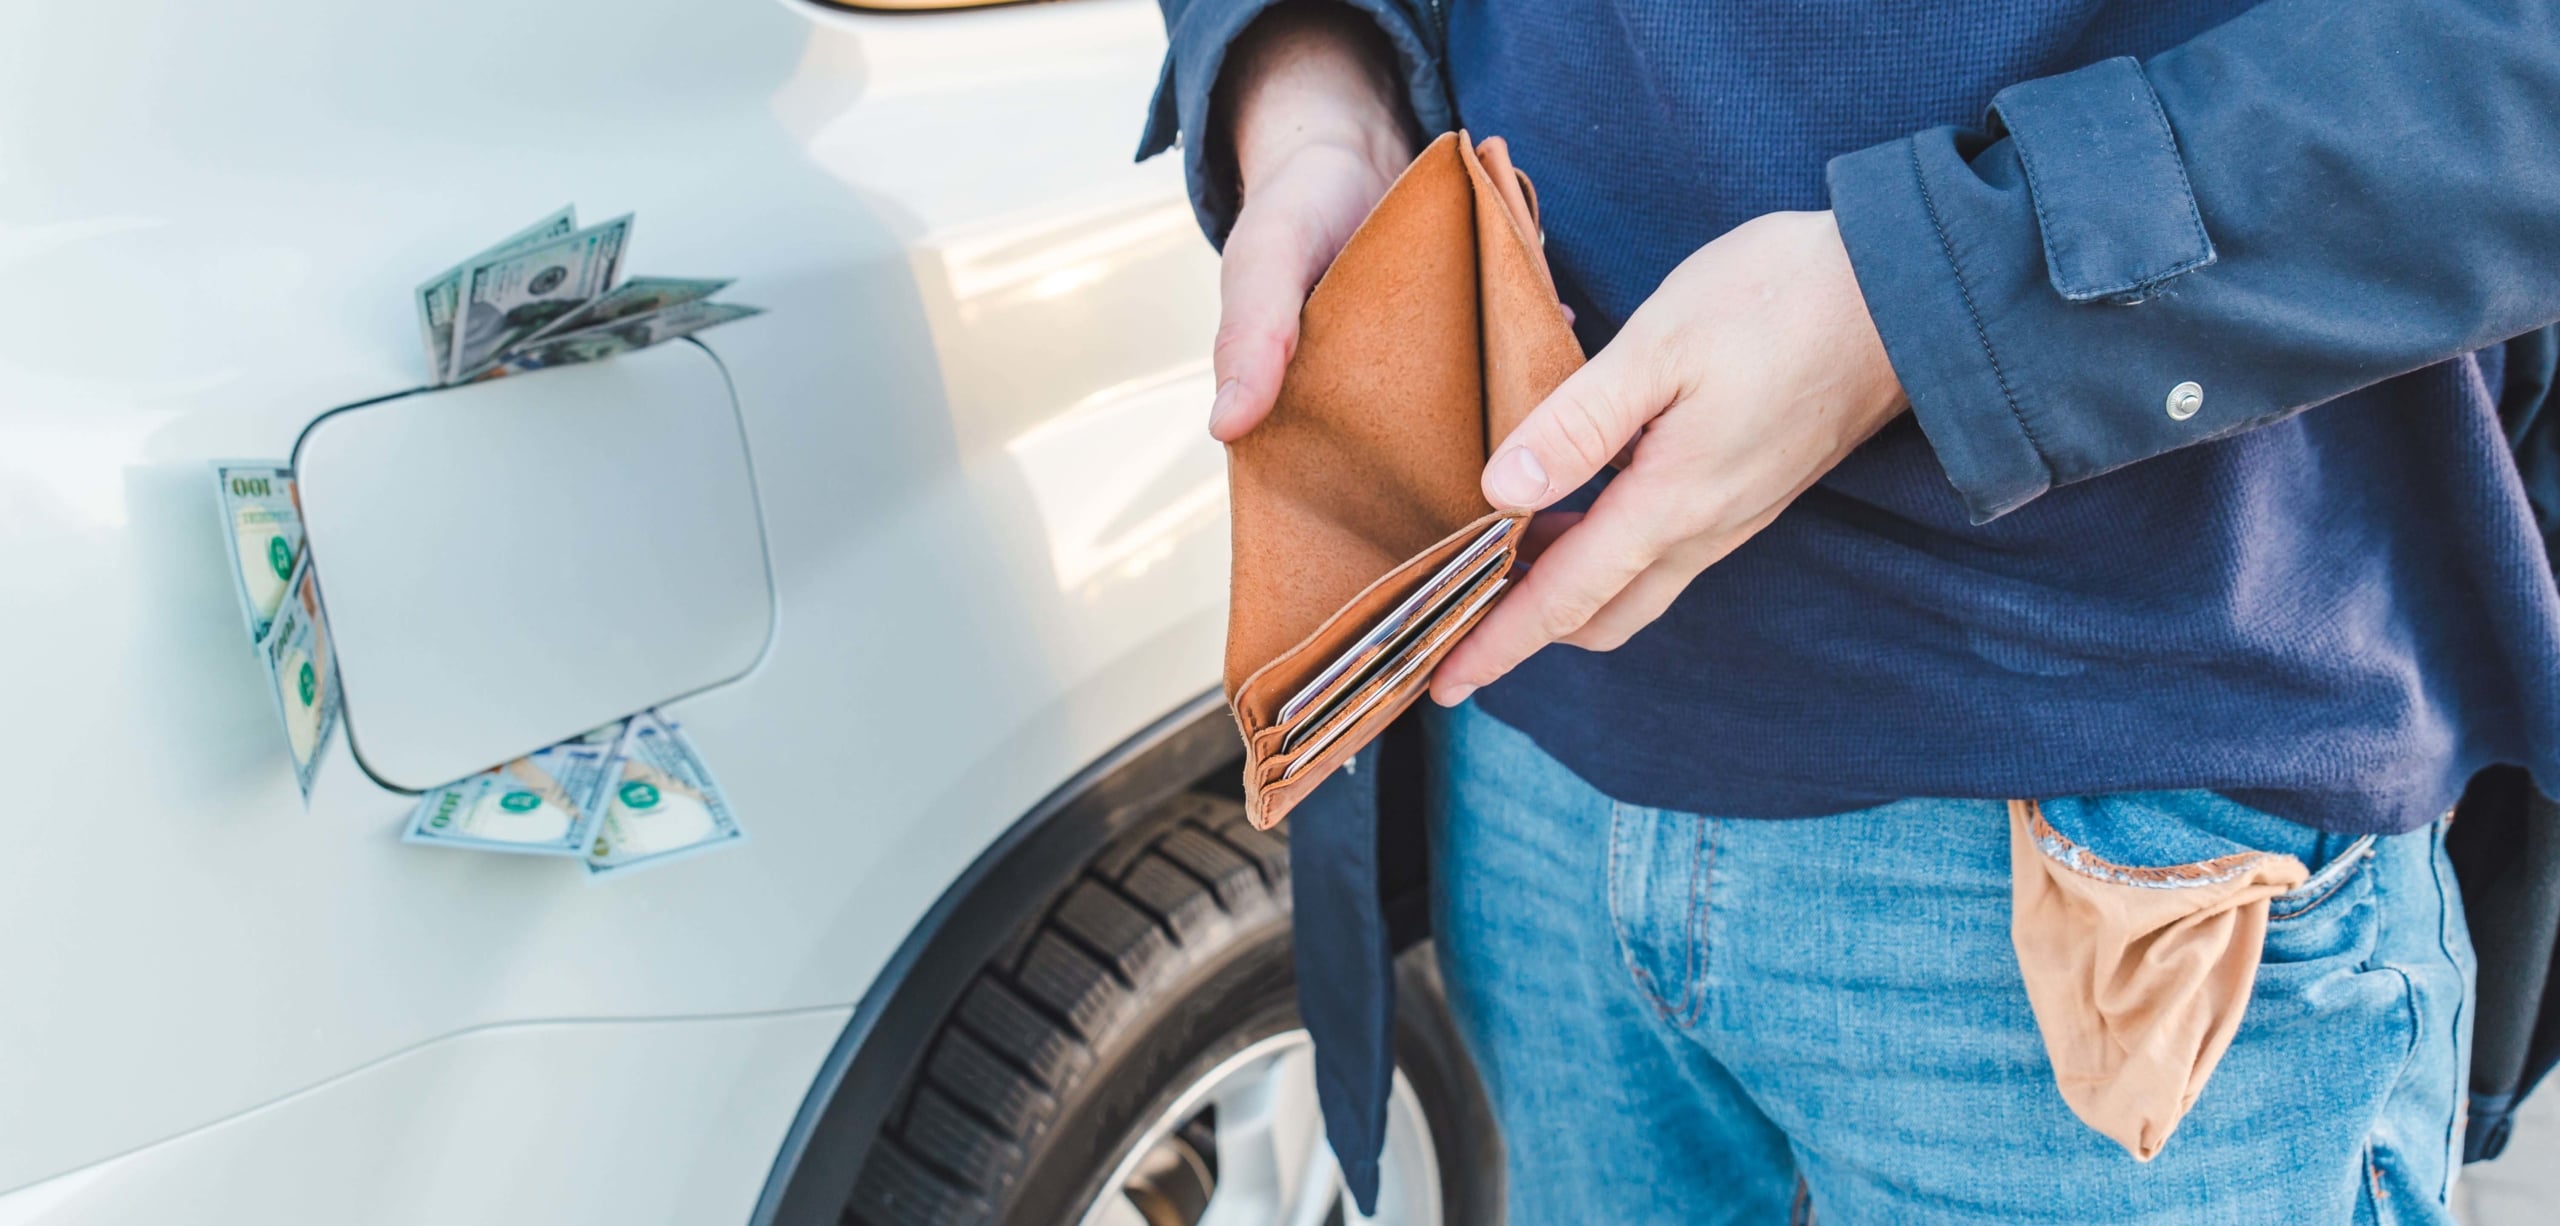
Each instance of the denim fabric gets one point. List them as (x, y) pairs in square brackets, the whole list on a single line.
[(1686, 1019)]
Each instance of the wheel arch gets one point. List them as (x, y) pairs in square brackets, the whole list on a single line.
[(1011, 883)]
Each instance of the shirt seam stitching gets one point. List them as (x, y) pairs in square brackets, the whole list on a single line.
[(1981, 332)]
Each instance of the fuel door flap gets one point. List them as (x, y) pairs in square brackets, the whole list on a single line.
[(508, 564)]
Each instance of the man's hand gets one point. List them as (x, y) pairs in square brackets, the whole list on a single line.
[(1750, 372), (1320, 133)]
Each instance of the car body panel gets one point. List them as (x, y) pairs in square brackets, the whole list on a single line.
[(492, 1127), (996, 528)]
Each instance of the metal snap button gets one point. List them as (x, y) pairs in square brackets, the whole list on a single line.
[(2185, 400)]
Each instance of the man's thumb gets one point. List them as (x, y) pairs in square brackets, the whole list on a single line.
[(1566, 440), (1262, 285)]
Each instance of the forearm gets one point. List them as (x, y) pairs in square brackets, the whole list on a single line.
[(1246, 82), (1309, 73)]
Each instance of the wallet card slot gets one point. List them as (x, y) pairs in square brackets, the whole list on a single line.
[(1447, 600), (1377, 643), (1412, 666), (1258, 699)]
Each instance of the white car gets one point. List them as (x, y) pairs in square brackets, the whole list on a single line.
[(929, 561)]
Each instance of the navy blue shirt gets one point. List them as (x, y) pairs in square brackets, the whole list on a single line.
[(2314, 583)]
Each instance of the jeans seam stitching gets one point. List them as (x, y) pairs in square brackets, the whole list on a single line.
[(2368, 1179), (2086, 863), (1694, 995), (2357, 860), (2408, 984), (1617, 923), (2437, 867)]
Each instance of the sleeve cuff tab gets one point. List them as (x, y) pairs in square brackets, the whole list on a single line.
[(2112, 200)]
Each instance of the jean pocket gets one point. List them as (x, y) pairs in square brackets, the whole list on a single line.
[(2165, 837), (2139, 924), (2171, 838), (2330, 915), (1661, 865)]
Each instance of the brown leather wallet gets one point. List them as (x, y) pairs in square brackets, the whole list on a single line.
[(1434, 333)]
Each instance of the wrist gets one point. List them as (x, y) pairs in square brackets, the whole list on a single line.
[(1873, 389), (1315, 76)]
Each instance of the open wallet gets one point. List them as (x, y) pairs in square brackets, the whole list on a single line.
[(1364, 547)]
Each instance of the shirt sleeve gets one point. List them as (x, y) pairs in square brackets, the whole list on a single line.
[(1198, 33), (2137, 256)]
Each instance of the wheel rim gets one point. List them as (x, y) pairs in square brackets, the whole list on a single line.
[(1244, 1146)]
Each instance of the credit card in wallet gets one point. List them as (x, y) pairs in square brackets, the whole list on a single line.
[(1373, 646), (1404, 662), (1414, 616), (1394, 650)]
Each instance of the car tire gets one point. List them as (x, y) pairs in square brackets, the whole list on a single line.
[(1169, 954)]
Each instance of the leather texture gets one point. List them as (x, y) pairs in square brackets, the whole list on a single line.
[(1434, 333)]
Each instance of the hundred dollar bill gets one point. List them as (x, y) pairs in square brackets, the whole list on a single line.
[(637, 296), (506, 297), (266, 534), (663, 803), (302, 674), (545, 803), (594, 344), (441, 294)]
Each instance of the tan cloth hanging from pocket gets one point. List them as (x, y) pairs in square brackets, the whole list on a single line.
[(2138, 976)]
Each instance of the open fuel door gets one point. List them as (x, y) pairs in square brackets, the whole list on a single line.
[(508, 564)]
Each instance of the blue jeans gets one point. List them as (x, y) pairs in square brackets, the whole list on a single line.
[(1687, 1019)]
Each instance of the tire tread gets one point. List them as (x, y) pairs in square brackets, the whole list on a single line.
[(1024, 1032), (1184, 904), (1071, 984), (1127, 939), (963, 1066), (898, 1190), (959, 1141)]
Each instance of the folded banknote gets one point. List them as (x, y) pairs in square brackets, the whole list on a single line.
[(440, 298), (302, 674), (663, 804), (266, 535), (545, 803), (550, 295)]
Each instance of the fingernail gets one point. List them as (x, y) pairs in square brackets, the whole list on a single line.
[(1224, 405), (1457, 695), (1517, 479)]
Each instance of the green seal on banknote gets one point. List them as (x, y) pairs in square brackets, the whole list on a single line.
[(519, 802), (638, 795)]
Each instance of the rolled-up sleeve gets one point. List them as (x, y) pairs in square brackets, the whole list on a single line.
[(2138, 256), (1198, 33)]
